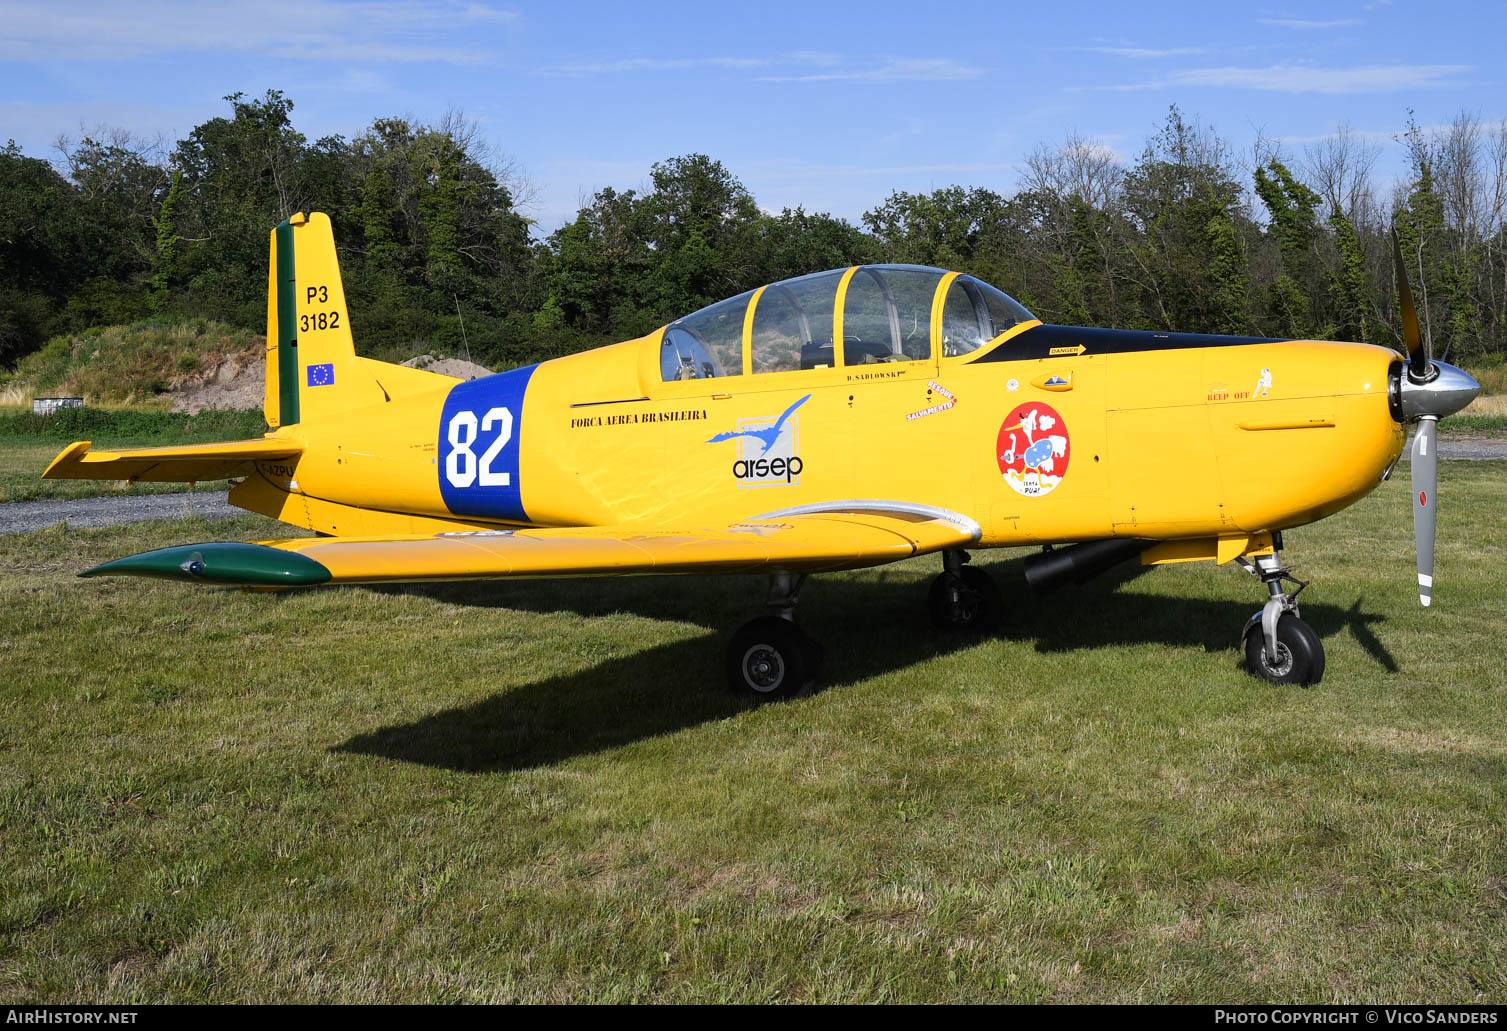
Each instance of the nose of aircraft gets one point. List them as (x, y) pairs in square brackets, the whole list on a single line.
[(1443, 392)]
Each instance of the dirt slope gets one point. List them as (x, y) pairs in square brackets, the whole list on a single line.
[(237, 381)]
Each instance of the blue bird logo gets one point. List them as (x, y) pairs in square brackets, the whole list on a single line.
[(768, 435)]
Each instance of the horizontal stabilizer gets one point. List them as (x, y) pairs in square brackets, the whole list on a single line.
[(798, 543), (186, 463)]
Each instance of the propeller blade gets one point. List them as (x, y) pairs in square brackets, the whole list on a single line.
[(1417, 357), (1425, 502)]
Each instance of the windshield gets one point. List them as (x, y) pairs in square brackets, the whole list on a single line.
[(974, 313)]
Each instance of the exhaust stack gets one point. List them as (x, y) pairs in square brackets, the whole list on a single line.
[(1080, 563)]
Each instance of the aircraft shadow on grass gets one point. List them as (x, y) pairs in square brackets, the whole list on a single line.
[(868, 628)]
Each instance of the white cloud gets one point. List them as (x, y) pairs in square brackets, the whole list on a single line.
[(1142, 52), (655, 64), (404, 30), (891, 69), (795, 66), (1308, 79), (789, 171), (1300, 23)]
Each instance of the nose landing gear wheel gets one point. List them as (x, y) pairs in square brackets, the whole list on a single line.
[(770, 658), (1300, 653), (966, 601)]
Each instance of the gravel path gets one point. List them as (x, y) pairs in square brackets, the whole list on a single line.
[(26, 516), (1475, 449)]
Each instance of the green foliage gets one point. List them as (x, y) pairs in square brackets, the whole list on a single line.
[(1227, 271), (943, 228), (167, 257), (244, 174), (1350, 290), (1293, 208), (1183, 196), (123, 425), (40, 247), (437, 256), (795, 242)]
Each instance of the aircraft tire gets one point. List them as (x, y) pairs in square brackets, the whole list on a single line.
[(770, 658), (975, 608), (1300, 653)]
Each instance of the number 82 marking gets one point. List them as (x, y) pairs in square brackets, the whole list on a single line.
[(461, 466)]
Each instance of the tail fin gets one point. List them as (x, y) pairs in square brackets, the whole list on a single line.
[(312, 368)]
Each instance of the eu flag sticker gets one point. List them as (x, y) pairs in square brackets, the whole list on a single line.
[(321, 375)]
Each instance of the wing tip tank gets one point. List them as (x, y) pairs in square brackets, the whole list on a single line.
[(232, 564)]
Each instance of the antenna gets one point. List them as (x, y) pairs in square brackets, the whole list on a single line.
[(462, 326)]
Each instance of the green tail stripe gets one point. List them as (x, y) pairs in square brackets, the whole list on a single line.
[(245, 565), (287, 329)]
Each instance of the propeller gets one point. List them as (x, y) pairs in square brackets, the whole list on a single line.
[(1418, 356), (1425, 482), (1427, 391)]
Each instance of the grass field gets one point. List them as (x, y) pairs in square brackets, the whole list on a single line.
[(542, 791)]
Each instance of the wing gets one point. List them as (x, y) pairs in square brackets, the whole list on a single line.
[(179, 464), (847, 535)]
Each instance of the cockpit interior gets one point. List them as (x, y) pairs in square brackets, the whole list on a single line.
[(865, 315)]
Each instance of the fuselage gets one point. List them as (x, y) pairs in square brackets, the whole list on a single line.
[(1045, 434)]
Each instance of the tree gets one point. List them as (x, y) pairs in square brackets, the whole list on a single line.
[(941, 228), (240, 177), (1293, 210), (1419, 224), (702, 225), (1182, 199), (167, 255), (795, 243), (41, 255), (1349, 286)]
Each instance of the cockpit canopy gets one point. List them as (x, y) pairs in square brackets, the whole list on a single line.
[(866, 315)]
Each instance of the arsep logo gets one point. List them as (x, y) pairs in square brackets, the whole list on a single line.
[(752, 472), (768, 449)]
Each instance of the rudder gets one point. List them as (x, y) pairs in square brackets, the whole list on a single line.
[(312, 368), (311, 356)]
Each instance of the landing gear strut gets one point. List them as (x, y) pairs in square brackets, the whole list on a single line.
[(770, 657), (962, 598), (1278, 645)]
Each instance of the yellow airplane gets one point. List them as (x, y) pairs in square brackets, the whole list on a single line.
[(834, 421)]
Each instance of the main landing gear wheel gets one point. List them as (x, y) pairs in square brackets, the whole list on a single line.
[(770, 658), (1279, 647), (964, 599), (1300, 653)]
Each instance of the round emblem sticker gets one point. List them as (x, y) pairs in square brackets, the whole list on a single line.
[(1033, 449)]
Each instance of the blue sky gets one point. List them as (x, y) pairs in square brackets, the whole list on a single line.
[(830, 106)]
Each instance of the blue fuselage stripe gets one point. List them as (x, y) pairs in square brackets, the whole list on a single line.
[(478, 476)]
